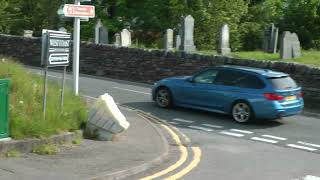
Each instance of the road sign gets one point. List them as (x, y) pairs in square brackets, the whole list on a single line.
[(72, 10), (56, 46)]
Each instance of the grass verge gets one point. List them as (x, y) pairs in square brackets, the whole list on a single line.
[(25, 106), (46, 149)]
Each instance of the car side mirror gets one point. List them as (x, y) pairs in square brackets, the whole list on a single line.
[(190, 80)]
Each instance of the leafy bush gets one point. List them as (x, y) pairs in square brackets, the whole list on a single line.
[(25, 106)]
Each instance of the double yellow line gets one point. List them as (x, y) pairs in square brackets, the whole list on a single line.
[(180, 162)]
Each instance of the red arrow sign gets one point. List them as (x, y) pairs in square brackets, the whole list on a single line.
[(71, 10)]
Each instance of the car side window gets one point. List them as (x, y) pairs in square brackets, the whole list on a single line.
[(206, 76), (229, 77), (251, 82)]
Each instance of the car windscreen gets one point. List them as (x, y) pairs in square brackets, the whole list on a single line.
[(283, 83)]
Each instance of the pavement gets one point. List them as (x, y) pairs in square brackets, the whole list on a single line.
[(140, 147)]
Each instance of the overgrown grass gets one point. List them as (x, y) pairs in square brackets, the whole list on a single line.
[(46, 149), (25, 106), (308, 57)]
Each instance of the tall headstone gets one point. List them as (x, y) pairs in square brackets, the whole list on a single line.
[(125, 38), (296, 47), (270, 41), (117, 38), (187, 43), (97, 31), (101, 33), (168, 40), (289, 45), (224, 43), (178, 42)]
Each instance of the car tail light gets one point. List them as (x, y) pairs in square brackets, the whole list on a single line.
[(273, 97)]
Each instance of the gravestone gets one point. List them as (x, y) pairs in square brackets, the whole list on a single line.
[(296, 48), (168, 40), (270, 40), (63, 29), (27, 33), (117, 38), (125, 38), (289, 45), (224, 43), (101, 33), (187, 43), (97, 31), (178, 42)]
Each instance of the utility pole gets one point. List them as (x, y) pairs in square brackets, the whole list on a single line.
[(76, 52)]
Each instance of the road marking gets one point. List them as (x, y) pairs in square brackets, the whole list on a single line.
[(182, 159), (309, 144), (301, 147), (182, 120), (194, 163), (201, 128), (213, 126), (264, 140), (274, 137), (309, 177), (231, 134), (174, 123), (130, 90), (241, 131)]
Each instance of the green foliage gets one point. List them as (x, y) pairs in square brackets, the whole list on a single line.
[(11, 154), (26, 94), (148, 19), (47, 149), (77, 141)]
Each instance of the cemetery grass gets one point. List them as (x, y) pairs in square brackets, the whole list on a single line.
[(25, 105), (308, 57)]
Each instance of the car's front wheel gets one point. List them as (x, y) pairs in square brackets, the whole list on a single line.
[(163, 98), (242, 112)]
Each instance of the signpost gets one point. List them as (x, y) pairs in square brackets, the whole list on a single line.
[(78, 12), (55, 52)]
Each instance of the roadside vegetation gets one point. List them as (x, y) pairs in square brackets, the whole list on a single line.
[(25, 106)]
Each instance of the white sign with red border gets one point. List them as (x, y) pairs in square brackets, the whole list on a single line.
[(71, 10)]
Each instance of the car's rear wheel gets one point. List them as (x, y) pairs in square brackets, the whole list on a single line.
[(163, 98), (242, 112)]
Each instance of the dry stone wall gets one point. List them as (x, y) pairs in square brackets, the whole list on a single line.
[(148, 66)]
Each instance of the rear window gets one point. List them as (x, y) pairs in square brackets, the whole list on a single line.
[(283, 83)]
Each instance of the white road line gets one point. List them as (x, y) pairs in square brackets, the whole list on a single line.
[(274, 137), (130, 90), (201, 128), (182, 120), (309, 144), (264, 140), (175, 123), (231, 134), (212, 126), (309, 177), (301, 147), (241, 131)]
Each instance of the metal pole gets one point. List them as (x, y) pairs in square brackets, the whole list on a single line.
[(62, 89), (76, 52), (45, 90)]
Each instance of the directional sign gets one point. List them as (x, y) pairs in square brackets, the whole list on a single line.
[(71, 10), (56, 46)]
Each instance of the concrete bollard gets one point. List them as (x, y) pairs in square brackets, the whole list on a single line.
[(105, 119)]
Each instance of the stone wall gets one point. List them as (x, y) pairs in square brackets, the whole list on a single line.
[(151, 65)]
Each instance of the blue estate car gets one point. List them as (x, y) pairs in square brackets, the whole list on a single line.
[(243, 92)]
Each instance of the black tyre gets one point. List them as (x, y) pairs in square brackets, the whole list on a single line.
[(163, 98), (242, 112)]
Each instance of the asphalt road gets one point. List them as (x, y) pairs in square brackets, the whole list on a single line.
[(286, 149)]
